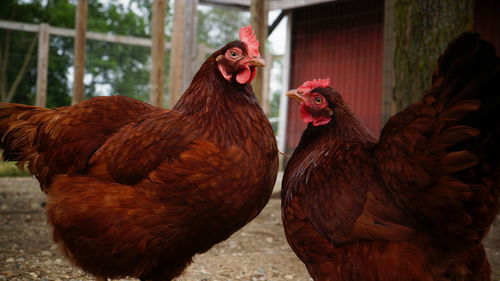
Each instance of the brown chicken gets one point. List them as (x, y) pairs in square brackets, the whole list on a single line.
[(413, 205), (135, 190)]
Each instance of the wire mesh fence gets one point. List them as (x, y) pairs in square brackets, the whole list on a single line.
[(117, 69)]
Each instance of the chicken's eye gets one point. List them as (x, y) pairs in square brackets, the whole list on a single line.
[(318, 100), (233, 54)]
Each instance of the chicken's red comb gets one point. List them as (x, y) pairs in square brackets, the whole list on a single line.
[(247, 36), (316, 83)]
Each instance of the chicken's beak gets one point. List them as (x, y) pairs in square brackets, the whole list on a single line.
[(257, 61), (296, 95)]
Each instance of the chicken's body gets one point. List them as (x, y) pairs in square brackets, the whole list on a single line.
[(413, 205), (388, 249), (134, 190)]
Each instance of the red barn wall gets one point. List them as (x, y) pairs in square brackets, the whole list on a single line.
[(342, 40)]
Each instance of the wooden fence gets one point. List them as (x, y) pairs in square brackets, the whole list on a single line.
[(44, 31)]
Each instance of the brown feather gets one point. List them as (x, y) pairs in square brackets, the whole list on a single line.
[(459, 160)]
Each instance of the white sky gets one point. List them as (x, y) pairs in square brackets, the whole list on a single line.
[(278, 37)]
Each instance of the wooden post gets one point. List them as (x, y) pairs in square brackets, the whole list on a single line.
[(157, 53), (42, 65), (266, 80), (258, 20), (284, 100), (183, 55), (79, 62), (201, 56)]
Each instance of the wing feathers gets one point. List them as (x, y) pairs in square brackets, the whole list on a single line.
[(459, 160), (453, 135), (460, 110)]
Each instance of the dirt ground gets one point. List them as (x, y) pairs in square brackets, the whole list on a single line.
[(258, 252)]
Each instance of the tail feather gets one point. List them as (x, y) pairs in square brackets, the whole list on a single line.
[(58, 141), (467, 90), (18, 131)]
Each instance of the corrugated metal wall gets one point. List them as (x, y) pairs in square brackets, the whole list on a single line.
[(342, 40)]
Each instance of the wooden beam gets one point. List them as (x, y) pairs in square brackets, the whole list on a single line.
[(273, 5), (21, 26), (79, 62), (276, 22), (183, 56), (177, 53), (112, 38), (238, 4), (258, 20), (66, 32), (42, 65), (190, 56), (157, 53), (293, 4)]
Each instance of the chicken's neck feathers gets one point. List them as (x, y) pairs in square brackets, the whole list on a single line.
[(344, 130), (225, 110), (210, 91), (320, 146)]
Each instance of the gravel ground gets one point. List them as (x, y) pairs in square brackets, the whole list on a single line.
[(258, 252)]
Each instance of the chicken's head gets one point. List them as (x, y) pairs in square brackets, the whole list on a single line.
[(318, 101), (238, 59)]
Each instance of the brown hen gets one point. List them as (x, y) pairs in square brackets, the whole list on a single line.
[(135, 190), (413, 205)]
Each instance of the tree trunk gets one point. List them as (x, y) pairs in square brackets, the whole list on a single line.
[(423, 29)]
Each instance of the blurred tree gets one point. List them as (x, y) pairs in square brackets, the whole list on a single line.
[(423, 29), (18, 52), (116, 68), (217, 26), (110, 68)]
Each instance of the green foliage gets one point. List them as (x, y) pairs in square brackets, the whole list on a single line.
[(110, 68), (15, 50), (9, 169), (217, 26), (122, 68)]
